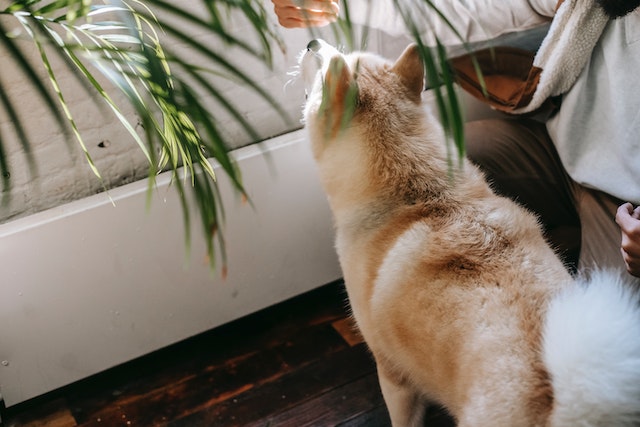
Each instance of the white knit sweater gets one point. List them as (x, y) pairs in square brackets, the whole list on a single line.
[(592, 61)]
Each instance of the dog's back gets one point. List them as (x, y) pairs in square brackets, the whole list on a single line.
[(449, 283)]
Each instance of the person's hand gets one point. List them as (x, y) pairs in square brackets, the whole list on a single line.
[(306, 13), (628, 219)]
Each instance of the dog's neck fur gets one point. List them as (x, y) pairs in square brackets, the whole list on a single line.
[(393, 172)]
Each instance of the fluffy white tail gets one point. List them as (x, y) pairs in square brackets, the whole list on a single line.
[(592, 352)]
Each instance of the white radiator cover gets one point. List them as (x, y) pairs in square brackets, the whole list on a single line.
[(88, 285)]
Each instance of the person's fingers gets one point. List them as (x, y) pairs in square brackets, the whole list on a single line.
[(630, 244), (313, 14), (299, 20), (326, 6), (628, 219), (623, 216), (632, 264)]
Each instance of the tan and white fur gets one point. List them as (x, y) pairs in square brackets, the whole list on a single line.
[(454, 288)]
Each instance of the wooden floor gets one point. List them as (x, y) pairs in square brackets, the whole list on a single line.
[(296, 364)]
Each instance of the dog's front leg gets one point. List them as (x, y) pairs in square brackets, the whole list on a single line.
[(405, 405)]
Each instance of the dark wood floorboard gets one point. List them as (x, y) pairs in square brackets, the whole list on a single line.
[(295, 364)]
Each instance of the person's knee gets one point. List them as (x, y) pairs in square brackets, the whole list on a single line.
[(478, 141), (503, 147), (490, 144)]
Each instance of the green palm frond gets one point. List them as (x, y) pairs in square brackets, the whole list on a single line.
[(117, 49), (440, 79), (123, 41)]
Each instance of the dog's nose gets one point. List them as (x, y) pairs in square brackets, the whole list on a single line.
[(314, 45)]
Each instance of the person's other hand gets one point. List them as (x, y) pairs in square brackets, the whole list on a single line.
[(628, 219), (306, 13)]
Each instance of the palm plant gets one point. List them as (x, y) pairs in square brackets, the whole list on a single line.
[(118, 47)]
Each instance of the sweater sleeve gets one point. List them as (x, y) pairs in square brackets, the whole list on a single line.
[(473, 20)]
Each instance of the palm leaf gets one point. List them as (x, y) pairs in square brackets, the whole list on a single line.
[(439, 77), (123, 41)]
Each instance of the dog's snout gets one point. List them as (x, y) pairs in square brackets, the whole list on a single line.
[(311, 60), (314, 45)]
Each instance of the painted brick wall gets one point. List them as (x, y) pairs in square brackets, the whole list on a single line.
[(62, 173)]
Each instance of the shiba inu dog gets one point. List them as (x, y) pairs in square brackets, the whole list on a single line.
[(454, 288)]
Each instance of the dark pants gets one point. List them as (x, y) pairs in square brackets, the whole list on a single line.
[(521, 163)]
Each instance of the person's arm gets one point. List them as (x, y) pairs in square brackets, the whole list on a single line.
[(628, 219), (475, 20)]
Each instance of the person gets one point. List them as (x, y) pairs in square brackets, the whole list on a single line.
[(579, 169)]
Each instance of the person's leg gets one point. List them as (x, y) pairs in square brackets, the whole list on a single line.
[(521, 163)]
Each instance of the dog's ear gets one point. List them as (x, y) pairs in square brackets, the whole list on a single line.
[(410, 69), (339, 95)]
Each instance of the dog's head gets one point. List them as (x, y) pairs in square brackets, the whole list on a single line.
[(358, 89), (369, 132)]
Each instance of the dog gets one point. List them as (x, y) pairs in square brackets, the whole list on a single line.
[(454, 289)]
